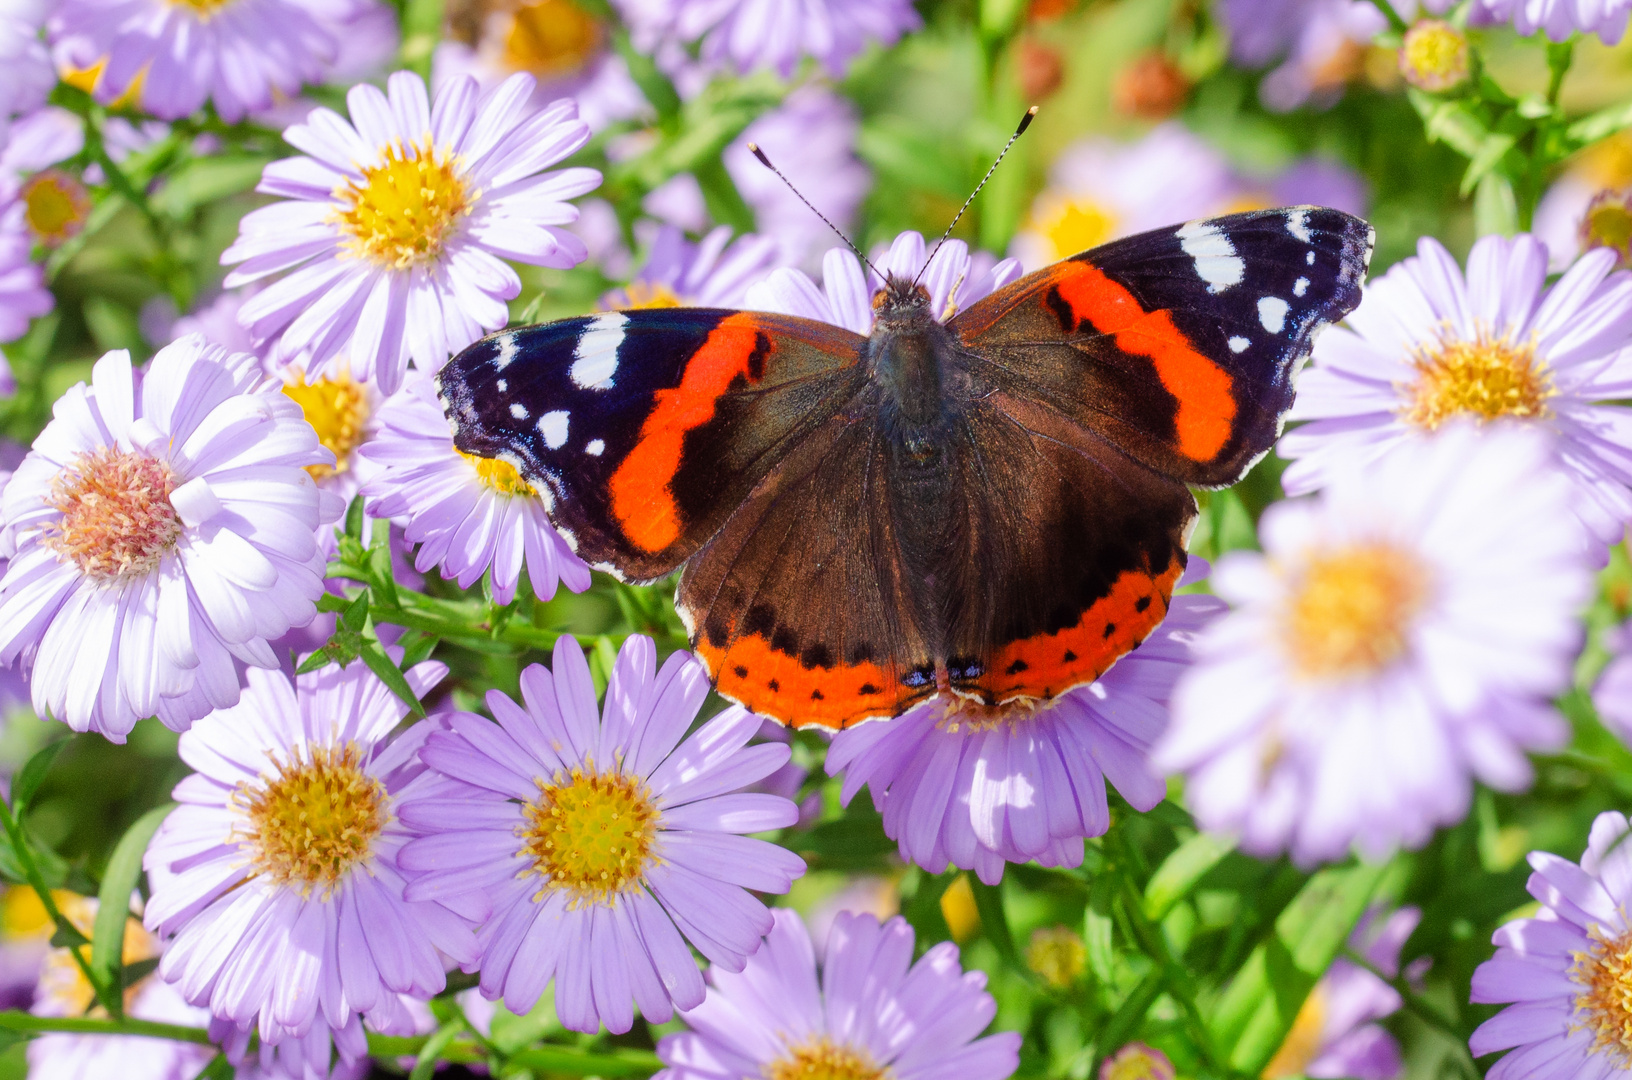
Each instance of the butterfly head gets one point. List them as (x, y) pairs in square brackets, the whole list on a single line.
[(900, 300)]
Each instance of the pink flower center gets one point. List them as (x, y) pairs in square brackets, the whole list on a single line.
[(55, 205), (591, 833), (1435, 56), (822, 1059), (315, 819), (117, 522)]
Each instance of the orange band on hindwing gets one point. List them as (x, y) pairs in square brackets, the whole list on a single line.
[(768, 681), (642, 495), (1206, 410)]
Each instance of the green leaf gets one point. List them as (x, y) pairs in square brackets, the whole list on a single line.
[(1489, 155), (1180, 871), (354, 519), (421, 26), (1599, 125), (381, 577), (571, 1061), (1495, 207), (512, 1032), (416, 646), (218, 1068), (381, 665), (655, 85), (1453, 123), (994, 921), (206, 180), (425, 1062), (113, 899), (355, 617), (1129, 1015), (1099, 935), (1256, 1011), (32, 774)]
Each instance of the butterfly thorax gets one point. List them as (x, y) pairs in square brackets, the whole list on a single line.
[(907, 354)]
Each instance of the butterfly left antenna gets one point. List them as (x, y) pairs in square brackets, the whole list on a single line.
[(1025, 122), (753, 148)]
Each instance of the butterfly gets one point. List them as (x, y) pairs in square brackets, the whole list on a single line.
[(994, 509)]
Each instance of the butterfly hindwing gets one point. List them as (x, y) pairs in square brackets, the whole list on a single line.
[(645, 429), (1179, 345)]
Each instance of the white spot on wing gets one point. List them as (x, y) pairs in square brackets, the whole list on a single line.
[(596, 359), (553, 425), (1297, 223), (1239, 344), (518, 410), (595, 447), (507, 352), (1309, 258), (1216, 261), (1300, 286), (1272, 313), (503, 385)]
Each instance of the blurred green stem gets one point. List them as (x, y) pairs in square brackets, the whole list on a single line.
[(1393, 17)]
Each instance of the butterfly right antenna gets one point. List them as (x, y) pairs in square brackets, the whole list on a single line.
[(1025, 122), (753, 148)]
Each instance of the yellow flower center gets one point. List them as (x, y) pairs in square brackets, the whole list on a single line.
[(1435, 56), (1075, 225), (204, 9), (591, 833), (1608, 224), (63, 988), (959, 910), (337, 409), (315, 819), (1351, 611), (1483, 378), (650, 294), (23, 916), (406, 208), (1604, 1005), (117, 522), (551, 38), (85, 79), (1303, 1042), (1057, 955), (498, 474), (55, 206), (821, 1059)]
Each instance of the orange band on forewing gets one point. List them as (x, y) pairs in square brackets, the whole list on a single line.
[(1207, 409), (775, 684), (642, 500)]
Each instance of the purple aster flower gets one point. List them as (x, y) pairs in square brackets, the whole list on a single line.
[(1100, 189), (1426, 346), (26, 73), (1320, 182), (1321, 44), (871, 1013), (1399, 634), (1336, 1035), (559, 43), (604, 842), (236, 54), (277, 877), (1566, 970), (162, 528), (975, 787), (323, 1052), (1613, 693), (218, 322), (466, 513), (712, 272), (954, 278), (40, 140), (395, 230), (1559, 19), (812, 134), (23, 295), (63, 991), (749, 34)]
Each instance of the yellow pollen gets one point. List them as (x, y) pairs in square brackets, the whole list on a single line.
[(1608, 224), (551, 38), (1057, 955), (55, 206), (1484, 378), (1435, 56), (821, 1059), (1351, 611), (63, 989), (1075, 225), (1302, 1043), (974, 716), (591, 833), (315, 819), (498, 474), (117, 521), (650, 294), (1604, 1005), (204, 9), (406, 208), (337, 409)]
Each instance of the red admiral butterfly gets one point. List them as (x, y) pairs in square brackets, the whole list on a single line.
[(994, 508)]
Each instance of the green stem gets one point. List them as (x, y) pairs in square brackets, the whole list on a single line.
[(1393, 17), (12, 1020), (108, 996)]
